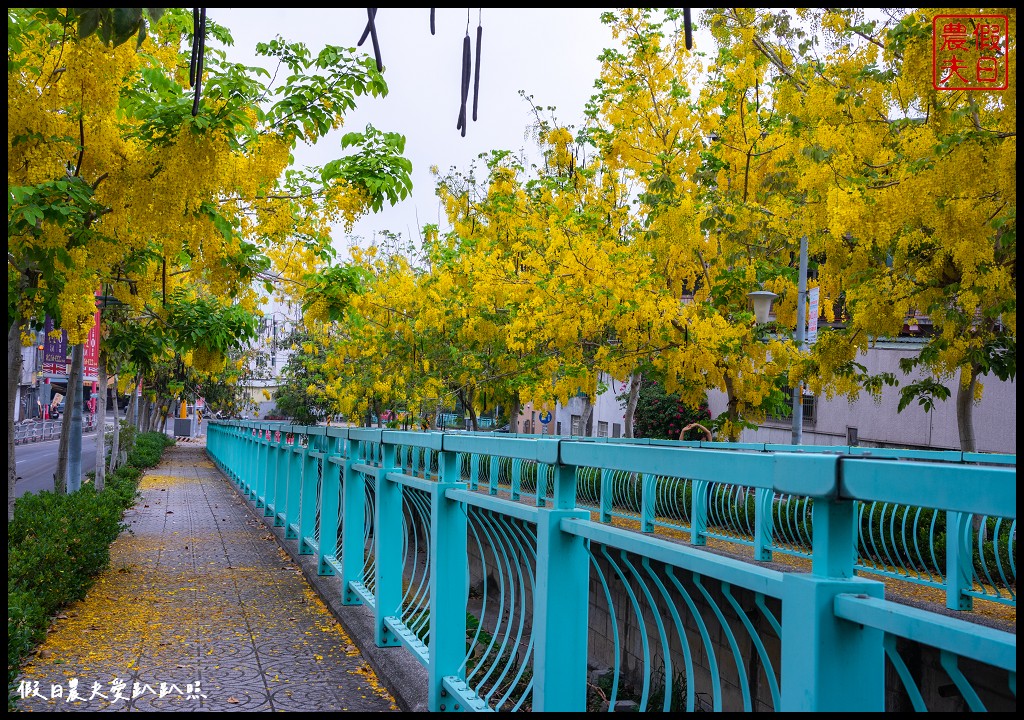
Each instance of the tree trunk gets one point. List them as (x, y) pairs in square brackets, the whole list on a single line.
[(965, 407), (115, 440), (60, 480), (164, 412), (732, 410), (75, 402), (143, 414), (635, 381), (586, 428), (13, 378), (101, 418), (513, 413)]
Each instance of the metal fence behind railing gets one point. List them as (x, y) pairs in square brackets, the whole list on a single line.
[(588, 584)]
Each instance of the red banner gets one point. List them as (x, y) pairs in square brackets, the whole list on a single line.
[(92, 346)]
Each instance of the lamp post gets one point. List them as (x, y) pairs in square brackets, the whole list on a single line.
[(801, 321), (762, 300)]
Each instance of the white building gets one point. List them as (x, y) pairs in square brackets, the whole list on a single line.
[(607, 418), (878, 424), (272, 348)]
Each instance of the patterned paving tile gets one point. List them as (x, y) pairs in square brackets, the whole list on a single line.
[(199, 610)]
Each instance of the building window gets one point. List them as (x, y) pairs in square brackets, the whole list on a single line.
[(851, 436), (616, 430), (602, 429), (809, 405), (558, 428), (574, 428)]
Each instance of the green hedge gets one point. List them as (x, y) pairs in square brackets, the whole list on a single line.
[(58, 544)]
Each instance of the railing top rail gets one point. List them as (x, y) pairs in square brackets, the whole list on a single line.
[(979, 489), (962, 637)]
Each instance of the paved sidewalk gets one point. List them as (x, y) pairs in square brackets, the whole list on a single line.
[(202, 606)]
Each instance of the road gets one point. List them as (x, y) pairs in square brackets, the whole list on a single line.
[(37, 463)]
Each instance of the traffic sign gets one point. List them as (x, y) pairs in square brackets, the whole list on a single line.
[(545, 418)]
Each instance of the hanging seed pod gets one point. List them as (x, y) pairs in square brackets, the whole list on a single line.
[(371, 31), (199, 61), (466, 62), (195, 48), (476, 70), (687, 29), (432, 20)]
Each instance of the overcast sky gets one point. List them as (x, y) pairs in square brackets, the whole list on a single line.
[(549, 53)]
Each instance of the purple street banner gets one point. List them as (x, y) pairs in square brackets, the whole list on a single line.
[(55, 351)]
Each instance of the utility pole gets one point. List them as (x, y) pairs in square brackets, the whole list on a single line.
[(801, 320)]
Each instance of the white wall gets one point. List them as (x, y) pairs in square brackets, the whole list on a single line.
[(880, 425)]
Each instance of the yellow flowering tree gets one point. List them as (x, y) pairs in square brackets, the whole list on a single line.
[(112, 180), (900, 226)]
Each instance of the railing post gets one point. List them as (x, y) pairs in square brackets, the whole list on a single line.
[(699, 512), (517, 469), (959, 561), (251, 462), (284, 465), (492, 480), (605, 495), (474, 472), (562, 598), (353, 528), (763, 523), (648, 497), (330, 490), (273, 472), (388, 535), (311, 467), (262, 451), (293, 486), (828, 664), (449, 564)]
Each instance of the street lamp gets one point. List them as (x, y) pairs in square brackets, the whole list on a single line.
[(762, 300)]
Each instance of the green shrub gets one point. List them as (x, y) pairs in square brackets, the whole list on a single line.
[(58, 544)]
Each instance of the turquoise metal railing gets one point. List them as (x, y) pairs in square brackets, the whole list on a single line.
[(586, 586)]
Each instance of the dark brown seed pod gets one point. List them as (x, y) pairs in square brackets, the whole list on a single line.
[(432, 20), (476, 70), (195, 48), (466, 62), (199, 61)]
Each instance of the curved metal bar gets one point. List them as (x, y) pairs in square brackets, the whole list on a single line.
[(909, 686), (716, 680), (949, 664), (684, 641), (662, 634), (473, 522), (512, 530), (500, 564), (504, 651), (731, 637), (772, 620), (755, 638), (416, 601), (642, 625), (614, 626), (319, 499)]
